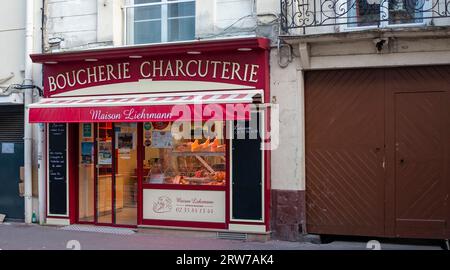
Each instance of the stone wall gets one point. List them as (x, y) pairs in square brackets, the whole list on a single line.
[(288, 214)]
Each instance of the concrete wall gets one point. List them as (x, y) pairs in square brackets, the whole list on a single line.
[(287, 160), (70, 24), (421, 47), (12, 36), (81, 24), (225, 18)]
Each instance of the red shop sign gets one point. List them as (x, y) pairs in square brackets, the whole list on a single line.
[(220, 62)]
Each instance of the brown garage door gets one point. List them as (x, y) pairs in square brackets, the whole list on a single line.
[(377, 146)]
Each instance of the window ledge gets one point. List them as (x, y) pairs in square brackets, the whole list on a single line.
[(345, 28), (360, 34)]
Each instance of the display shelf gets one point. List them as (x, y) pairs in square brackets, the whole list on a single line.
[(204, 154)]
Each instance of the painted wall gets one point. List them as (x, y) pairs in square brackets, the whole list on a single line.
[(288, 159), (81, 24), (70, 24), (12, 37), (12, 46), (221, 18)]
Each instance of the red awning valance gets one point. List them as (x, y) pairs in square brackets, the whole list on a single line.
[(193, 106)]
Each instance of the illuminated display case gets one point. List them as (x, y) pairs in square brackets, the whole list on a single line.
[(197, 161)]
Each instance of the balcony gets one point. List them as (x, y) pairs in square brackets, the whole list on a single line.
[(319, 16)]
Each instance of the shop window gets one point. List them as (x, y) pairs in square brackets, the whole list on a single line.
[(156, 21), (195, 157), (385, 12), (86, 167)]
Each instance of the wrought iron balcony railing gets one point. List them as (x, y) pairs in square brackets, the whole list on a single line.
[(357, 13)]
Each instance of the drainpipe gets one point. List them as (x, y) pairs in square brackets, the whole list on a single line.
[(28, 99), (41, 148), (42, 158), (41, 173)]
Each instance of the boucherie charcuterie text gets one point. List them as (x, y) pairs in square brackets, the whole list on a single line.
[(173, 69)]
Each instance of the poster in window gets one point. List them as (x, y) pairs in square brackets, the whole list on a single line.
[(105, 153), (125, 143), (162, 139), (87, 152), (87, 131)]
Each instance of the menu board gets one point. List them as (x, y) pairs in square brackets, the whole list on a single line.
[(57, 169), (247, 172)]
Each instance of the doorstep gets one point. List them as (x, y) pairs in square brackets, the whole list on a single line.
[(205, 233)]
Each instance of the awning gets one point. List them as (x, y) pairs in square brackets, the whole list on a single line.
[(191, 106)]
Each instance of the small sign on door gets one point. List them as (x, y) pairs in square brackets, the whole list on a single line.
[(7, 148)]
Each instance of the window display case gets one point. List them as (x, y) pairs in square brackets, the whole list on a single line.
[(200, 161)]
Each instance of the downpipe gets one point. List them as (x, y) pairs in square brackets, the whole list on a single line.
[(41, 173), (28, 99)]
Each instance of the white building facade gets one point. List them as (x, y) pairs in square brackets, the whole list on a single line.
[(352, 81)]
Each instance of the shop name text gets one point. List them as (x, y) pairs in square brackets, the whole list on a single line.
[(130, 114), (154, 69)]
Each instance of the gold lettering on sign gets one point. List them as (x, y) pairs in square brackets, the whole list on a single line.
[(126, 70), (144, 72), (193, 68)]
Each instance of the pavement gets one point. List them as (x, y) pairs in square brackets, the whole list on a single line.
[(19, 236)]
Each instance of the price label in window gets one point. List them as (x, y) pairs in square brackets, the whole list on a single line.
[(162, 139)]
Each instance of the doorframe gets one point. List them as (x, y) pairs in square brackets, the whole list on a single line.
[(95, 156)]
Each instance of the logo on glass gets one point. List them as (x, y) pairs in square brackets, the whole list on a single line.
[(163, 205)]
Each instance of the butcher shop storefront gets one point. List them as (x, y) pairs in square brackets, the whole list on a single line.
[(158, 135)]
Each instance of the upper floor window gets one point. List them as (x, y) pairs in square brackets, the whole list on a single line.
[(156, 21), (385, 12)]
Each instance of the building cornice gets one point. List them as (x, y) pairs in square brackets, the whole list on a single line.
[(203, 46), (398, 32)]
